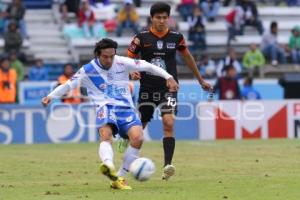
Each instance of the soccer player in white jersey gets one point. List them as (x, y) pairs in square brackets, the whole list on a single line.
[(106, 78)]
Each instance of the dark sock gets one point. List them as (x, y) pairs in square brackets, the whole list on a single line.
[(169, 146)]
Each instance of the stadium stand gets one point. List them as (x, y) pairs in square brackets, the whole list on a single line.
[(48, 41)]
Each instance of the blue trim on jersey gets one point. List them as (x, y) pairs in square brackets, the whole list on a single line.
[(94, 76), (99, 65), (110, 90)]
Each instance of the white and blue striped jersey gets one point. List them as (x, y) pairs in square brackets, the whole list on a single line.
[(108, 87)]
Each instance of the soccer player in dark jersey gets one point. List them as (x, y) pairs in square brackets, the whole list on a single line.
[(158, 45)]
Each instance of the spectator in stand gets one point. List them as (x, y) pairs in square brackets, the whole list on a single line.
[(230, 59), (38, 72), (71, 6), (12, 39), (15, 12), (228, 86), (127, 18), (210, 9), (270, 46), (2, 18), (197, 30), (248, 92), (17, 65), (74, 96), (253, 60), (86, 20), (207, 67), (234, 22), (8, 82), (294, 45), (251, 17), (185, 8)]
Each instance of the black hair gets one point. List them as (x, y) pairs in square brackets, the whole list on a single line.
[(160, 8), (226, 68), (105, 43), (273, 24)]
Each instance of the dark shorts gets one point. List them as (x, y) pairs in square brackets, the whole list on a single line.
[(148, 101)]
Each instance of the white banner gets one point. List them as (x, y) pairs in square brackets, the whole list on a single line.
[(249, 119)]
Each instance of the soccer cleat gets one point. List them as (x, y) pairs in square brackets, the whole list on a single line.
[(169, 170), (122, 145), (120, 184), (109, 172)]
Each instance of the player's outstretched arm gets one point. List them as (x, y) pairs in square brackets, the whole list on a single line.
[(57, 93), (171, 83), (190, 62), (63, 89), (142, 65)]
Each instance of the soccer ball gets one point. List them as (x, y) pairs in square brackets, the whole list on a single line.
[(142, 168)]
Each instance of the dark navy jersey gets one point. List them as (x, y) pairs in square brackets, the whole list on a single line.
[(160, 50)]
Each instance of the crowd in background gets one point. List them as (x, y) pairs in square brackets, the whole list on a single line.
[(196, 14)]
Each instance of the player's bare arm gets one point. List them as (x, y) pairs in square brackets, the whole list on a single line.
[(190, 62), (58, 92)]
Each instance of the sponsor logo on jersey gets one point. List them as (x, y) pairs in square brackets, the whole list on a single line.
[(129, 119), (160, 44), (101, 114), (102, 86), (171, 45), (119, 72), (158, 62)]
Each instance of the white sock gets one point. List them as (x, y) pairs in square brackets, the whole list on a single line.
[(130, 155), (106, 153)]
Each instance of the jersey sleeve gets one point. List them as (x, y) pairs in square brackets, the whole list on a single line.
[(182, 47), (141, 65), (72, 83), (135, 47), (76, 79)]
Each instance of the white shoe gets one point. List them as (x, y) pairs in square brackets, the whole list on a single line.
[(169, 170)]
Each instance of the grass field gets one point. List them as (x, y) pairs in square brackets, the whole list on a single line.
[(246, 170)]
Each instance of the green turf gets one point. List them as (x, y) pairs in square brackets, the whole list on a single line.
[(246, 170)]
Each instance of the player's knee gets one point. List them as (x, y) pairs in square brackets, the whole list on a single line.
[(105, 133), (136, 141), (135, 135)]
